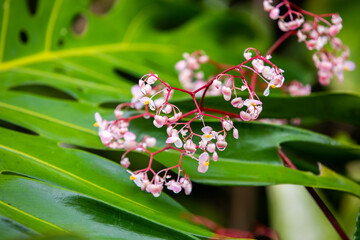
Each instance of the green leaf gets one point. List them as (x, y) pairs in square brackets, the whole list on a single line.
[(10, 229), (132, 38), (357, 230), (251, 160), (66, 211), (85, 174)]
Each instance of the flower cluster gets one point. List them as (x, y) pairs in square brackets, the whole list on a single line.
[(153, 95), (190, 74), (316, 34), (296, 88)]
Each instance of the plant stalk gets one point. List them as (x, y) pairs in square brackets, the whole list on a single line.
[(318, 200)]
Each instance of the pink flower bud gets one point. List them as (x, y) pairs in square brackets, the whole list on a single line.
[(150, 141), (180, 65), (211, 147), (221, 143), (245, 116), (217, 84), (335, 29), (226, 91), (125, 162), (258, 65), (203, 59), (190, 147), (235, 133), (227, 124), (274, 13), (215, 157), (152, 79), (159, 121), (247, 55), (192, 63), (237, 102), (336, 19), (186, 185)]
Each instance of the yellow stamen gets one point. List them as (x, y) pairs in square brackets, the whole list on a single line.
[(96, 124), (272, 86), (132, 177), (253, 104), (206, 163), (207, 136), (346, 68), (146, 102)]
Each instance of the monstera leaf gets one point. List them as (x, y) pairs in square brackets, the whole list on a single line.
[(61, 62)]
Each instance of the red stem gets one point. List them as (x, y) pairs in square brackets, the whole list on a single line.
[(269, 52), (318, 200)]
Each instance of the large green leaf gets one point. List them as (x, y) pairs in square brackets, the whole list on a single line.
[(103, 181), (67, 211), (131, 39), (250, 160)]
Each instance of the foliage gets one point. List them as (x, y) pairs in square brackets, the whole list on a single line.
[(56, 74)]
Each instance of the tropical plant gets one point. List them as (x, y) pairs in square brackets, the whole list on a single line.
[(63, 62)]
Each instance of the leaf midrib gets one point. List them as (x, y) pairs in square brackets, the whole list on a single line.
[(32, 216), (114, 47), (45, 117)]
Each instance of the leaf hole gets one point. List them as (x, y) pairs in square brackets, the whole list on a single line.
[(101, 7), (32, 6), (17, 128), (61, 42), (175, 16), (109, 105), (79, 24), (43, 90), (23, 36), (128, 76), (59, 70)]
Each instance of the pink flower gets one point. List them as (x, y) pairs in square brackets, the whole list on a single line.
[(296, 88), (130, 142), (151, 79), (253, 111), (148, 101), (174, 138), (155, 189), (203, 162), (174, 186), (160, 121), (228, 125), (208, 134), (186, 185), (190, 147)]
